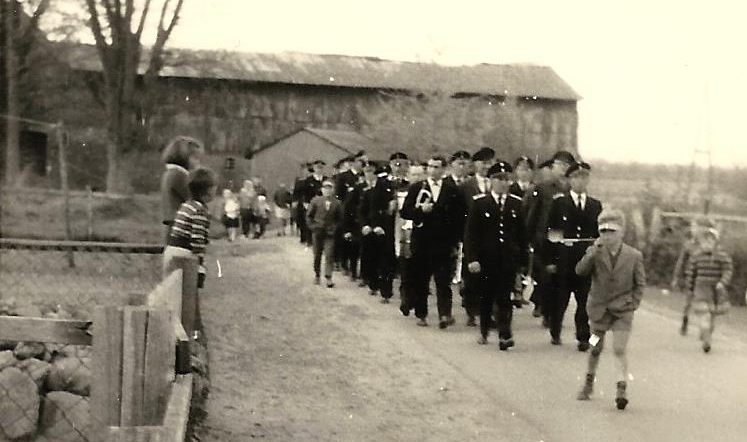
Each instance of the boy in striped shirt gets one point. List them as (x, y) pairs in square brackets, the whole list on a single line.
[(707, 275), (189, 233)]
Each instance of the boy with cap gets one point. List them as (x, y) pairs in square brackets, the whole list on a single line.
[(494, 246), (323, 218), (617, 282), (572, 219), (708, 272)]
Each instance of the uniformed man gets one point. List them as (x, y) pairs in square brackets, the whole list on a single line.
[(523, 184), (479, 184), (368, 243), (377, 209), (573, 217), (313, 187), (399, 163), (436, 209), (494, 246), (538, 212), (459, 166), (299, 191), (415, 174), (350, 227)]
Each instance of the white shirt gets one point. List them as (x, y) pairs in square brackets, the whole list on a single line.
[(523, 184), (457, 180), (500, 199), (579, 197), (435, 188)]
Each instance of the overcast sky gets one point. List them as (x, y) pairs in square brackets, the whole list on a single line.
[(644, 67)]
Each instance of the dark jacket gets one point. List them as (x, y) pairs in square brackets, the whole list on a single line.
[(350, 211), (374, 207), (319, 217), (538, 209), (440, 230), (312, 188), (345, 182), (494, 237), (565, 217)]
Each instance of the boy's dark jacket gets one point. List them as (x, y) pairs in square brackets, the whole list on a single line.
[(319, 217)]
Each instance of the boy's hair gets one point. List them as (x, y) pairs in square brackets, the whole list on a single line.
[(200, 182), (180, 149)]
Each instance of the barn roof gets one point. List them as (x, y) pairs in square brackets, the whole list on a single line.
[(519, 80), (350, 142)]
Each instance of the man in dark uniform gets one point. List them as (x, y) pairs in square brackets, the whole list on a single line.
[(341, 166), (479, 184), (573, 216), (436, 208), (350, 228), (523, 183), (298, 200), (494, 246), (312, 187), (376, 214), (459, 166), (399, 164), (367, 240), (538, 213)]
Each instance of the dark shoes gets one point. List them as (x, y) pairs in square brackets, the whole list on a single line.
[(422, 322), (706, 347), (587, 389), (505, 344), (384, 300), (446, 321), (404, 309), (537, 312), (482, 340), (555, 340), (330, 284), (683, 328), (583, 346), (620, 398)]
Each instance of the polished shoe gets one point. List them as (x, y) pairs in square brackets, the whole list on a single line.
[(422, 322), (556, 340), (471, 322), (372, 292), (587, 389), (683, 328), (384, 300), (583, 346), (482, 340), (505, 344), (404, 309), (537, 312), (545, 322), (620, 399), (450, 320), (706, 347), (330, 284), (443, 322)]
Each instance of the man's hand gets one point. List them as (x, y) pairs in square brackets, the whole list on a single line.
[(474, 267), (378, 230), (366, 230), (552, 269), (392, 207), (348, 236), (426, 207), (306, 206)]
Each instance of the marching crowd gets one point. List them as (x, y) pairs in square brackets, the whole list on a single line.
[(501, 232)]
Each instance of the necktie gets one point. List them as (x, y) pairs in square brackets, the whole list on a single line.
[(580, 208), (501, 202)]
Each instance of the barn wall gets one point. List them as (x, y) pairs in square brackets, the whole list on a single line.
[(280, 163)]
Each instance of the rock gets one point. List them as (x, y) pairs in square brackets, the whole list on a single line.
[(7, 359), (25, 350), (8, 345), (28, 310), (72, 375), (19, 404), (65, 417), (76, 351), (36, 369)]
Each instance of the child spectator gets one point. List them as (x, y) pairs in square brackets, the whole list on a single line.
[(261, 215), (247, 200), (617, 282), (708, 273), (282, 200), (231, 213), (323, 218), (189, 232)]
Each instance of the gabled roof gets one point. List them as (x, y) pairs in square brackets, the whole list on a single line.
[(350, 142), (517, 80)]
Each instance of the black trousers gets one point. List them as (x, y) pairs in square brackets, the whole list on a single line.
[(470, 291), (495, 286), (439, 264), (558, 303), (301, 222), (339, 247), (351, 250), (382, 267), (368, 257)]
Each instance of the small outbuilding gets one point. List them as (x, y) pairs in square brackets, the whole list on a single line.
[(280, 161)]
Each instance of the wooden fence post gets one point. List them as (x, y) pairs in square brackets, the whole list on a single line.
[(62, 153), (190, 303), (106, 386)]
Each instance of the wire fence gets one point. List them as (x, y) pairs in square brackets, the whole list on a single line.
[(49, 289)]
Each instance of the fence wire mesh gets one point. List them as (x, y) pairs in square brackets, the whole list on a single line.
[(44, 387)]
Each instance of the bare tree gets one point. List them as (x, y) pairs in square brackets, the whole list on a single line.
[(20, 22), (118, 34)]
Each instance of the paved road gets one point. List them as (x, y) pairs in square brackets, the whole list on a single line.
[(290, 360)]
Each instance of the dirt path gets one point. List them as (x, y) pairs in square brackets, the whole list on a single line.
[(294, 361)]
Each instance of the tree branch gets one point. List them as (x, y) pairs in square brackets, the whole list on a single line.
[(141, 26), (156, 54)]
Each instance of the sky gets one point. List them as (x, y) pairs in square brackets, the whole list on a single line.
[(659, 78)]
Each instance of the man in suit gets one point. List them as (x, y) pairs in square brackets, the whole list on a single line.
[(479, 184), (573, 216), (323, 218), (436, 208), (538, 212), (351, 230), (523, 184), (617, 282), (313, 187), (494, 246), (377, 209), (298, 201)]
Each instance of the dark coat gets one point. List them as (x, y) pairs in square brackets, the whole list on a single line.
[(538, 209), (311, 188), (350, 211), (440, 230), (321, 218), (494, 237), (345, 182), (374, 206), (565, 217)]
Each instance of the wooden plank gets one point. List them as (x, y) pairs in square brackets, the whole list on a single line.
[(159, 365), (106, 386), (136, 434), (133, 365), (47, 330), (189, 265), (183, 364), (168, 295), (80, 246), (177, 410)]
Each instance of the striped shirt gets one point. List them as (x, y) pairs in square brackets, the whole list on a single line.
[(706, 269), (190, 229)]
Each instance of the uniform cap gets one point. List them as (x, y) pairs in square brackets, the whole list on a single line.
[(611, 219), (398, 156), (576, 168), (500, 168), (524, 159), (484, 154), (319, 162), (460, 155), (564, 156)]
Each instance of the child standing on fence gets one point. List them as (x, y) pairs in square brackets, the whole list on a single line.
[(617, 282), (231, 213), (189, 233), (707, 276)]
